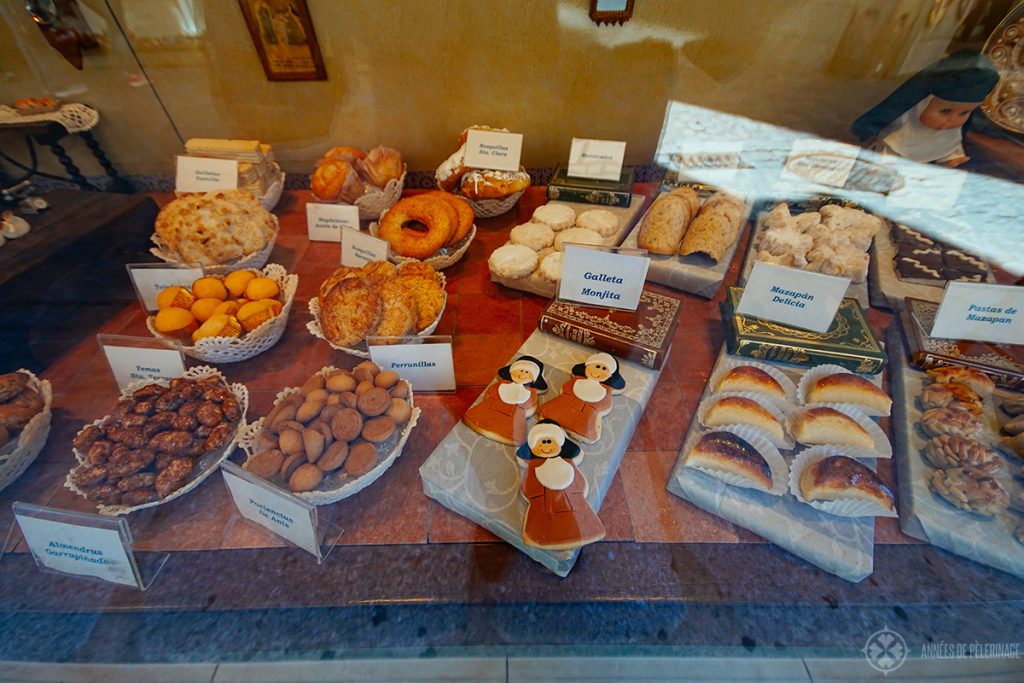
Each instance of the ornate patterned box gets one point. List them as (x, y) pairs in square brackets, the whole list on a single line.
[(1004, 363), (849, 341), (643, 336)]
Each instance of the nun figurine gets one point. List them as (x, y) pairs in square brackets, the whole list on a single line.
[(586, 398), (923, 119), (506, 405), (558, 516)]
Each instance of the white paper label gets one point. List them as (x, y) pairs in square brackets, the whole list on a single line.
[(820, 161), (199, 174), (792, 297), (602, 278), (971, 310), (427, 367), (358, 248), (489, 149), (276, 510), (78, 549), (326, 221), (600, 159), (133, 363), (149, 282)]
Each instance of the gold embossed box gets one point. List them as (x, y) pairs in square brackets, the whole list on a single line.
[(643, 336), (848, 342)]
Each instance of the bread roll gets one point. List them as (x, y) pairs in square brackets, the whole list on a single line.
[(732, 410), (715, 228), (726, 452), (751, 378), (823, 425), (846, 387), (838, 477), (666, 222)]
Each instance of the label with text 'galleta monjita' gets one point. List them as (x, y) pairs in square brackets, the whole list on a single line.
[(792, 297), (603, 277)]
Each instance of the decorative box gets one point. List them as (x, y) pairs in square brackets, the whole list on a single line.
[(848, 342), (590, 191), (1004, 363), (643, 336)]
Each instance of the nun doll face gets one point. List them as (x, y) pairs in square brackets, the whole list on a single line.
[(940, 114), (521, 375), (546, 447), (598, 370)]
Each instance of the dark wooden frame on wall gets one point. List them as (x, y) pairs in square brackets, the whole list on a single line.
[(601, 16), (318, 73)]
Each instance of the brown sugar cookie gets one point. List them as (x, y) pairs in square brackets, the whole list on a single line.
[(400, 411), (386, 379), (290, 464), (350, 311), (378, 429), (420, 280), (361, 459), (337, 276), (374, 401), (266, 464), (334, 457), (305, 478), (347, 424), (399, 315)]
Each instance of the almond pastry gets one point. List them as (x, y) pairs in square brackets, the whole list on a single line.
[(970, 489), (952, 450)]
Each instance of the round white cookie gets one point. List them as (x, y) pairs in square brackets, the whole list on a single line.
[(536, 236), (551, 267), (603, 222), (512, 261), (577, 236), (558, 216)]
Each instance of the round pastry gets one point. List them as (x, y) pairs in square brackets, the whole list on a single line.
[(451, 170), (337, 181), (557, 216), (348, 154), (577, 236), (218, 326), (399, 315), (417, 227), (464, 212), (487, 184), (551, 267), (601, 221), (379, 272), (536, 236), (512, 261), (215, 227), (175, 322), (349, 311), (420, 281), (380, 165)]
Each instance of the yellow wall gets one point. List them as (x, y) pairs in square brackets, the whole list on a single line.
[(413, 73)]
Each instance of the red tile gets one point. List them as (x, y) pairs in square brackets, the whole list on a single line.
[(614, 512), (328, 253), (449, 527), (479, 356), (664, 422), (488, 314)]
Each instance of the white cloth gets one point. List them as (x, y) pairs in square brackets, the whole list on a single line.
[(911, 139)]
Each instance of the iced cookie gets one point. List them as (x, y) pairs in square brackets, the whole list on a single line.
[(577, 236), (551, 267), (536, 236), (586, 398), (558, 216), (512, 261), (602, 221), (502, 411)]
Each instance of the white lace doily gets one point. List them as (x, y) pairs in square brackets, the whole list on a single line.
[(74, 117)]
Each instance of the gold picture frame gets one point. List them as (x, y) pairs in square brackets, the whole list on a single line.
[(282, 32)]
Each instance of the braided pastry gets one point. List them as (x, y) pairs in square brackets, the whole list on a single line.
[(970, 489), (936, 396), (938, 421), (952, 450)]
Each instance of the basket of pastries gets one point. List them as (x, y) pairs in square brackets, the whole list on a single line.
[(258, 173), (222, 231), (333, 436), (379, 299), (25, 415), (227, 318), (372, 181), (160, 442), (433, 227), (490, 192)]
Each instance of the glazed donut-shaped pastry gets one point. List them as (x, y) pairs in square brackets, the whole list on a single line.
[(417, 227), (451, 170), (483, 184), (464, 212)]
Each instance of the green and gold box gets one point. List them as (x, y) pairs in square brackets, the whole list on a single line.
[(848, 342)]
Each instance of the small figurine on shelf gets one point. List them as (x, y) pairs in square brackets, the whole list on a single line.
[(506, 405), (586, 398), (558, 516), (13, 226), (923, 119)]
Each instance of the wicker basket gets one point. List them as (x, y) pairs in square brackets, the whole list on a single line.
[(205, 466), (235, 349), (338, 485), (445, 257), (361, 351), (489, 208), (18, 454), (273, 194), (253, 261)]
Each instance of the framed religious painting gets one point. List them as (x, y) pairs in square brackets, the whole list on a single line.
[(282, 32)]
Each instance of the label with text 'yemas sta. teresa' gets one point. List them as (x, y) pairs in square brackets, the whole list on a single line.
[(792, 297), (979, 312)]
